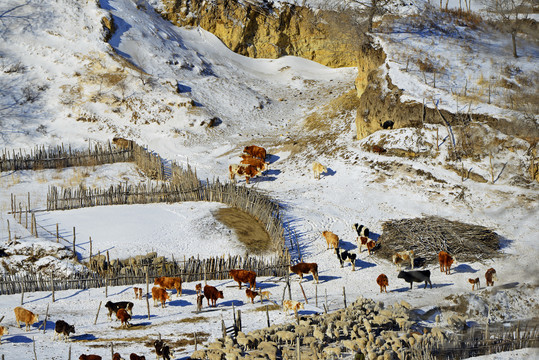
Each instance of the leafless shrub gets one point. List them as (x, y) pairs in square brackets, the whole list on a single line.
[(15, 68)]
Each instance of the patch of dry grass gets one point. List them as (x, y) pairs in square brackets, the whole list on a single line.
[(250, 231)]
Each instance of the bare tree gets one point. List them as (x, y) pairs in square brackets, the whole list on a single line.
[(373, 8), (511, 15)]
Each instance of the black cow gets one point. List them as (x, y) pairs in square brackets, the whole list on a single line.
[(361, 230), (113, 307), (345, 255), (62, 328), (162, 350), (416, 276), (388, 124)]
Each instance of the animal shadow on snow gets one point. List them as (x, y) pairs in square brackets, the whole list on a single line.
[(18, 339), (323, 278), (420, 286), (464, 268), (328, 172), (50, 325), (179, 302), (272, 158), (272, 173), (230, 302), (360, 264), (188, 292), (136, 317), (86, 337), (265, 286)]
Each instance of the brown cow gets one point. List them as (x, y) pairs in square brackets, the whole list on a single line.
[(305, 268), (211, 293), (117, 356), (244, 276), (25, 316), (3, 331), (89, 357), (134, 356), (474, 282), (198, 288), (122, 143), (255, 151), (251, 295), (170, 283), (159, 294), (362, 241), (257, 163), (124, 317), (371, 244), (445, 261), (382, 281), (331, 239), (247, 171), (490, 276)]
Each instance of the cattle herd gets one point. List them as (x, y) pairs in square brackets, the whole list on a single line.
[(253, 163), (399, 258), (124, 309)]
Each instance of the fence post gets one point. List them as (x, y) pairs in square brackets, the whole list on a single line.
[(223, 329), (52, 286), (57, 234), (301, 287), (344, 296), (267, 316), (96, 315), (45, 321), (196, 342), (297, 348), (90, 259), (8, 231), (148, 305), (316, 295), (22, 293)]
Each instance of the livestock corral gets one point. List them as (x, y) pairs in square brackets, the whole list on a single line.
[(366, 327)]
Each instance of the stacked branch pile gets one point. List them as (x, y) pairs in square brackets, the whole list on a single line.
[(427, 236)]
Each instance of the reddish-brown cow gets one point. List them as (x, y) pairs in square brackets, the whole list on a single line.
[(257, 163), (124, 317), (490, 276), (445, 261), (247, 171), (474, 282), (90, 357), (170, 283), (244, 276), (211, 293), (251, 295), (256, 151), (159, 294), (305, 268), (383, 282)]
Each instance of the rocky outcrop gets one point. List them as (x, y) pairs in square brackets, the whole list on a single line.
[(264, 31)]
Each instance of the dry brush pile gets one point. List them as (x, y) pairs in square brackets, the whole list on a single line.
[(428, 236)]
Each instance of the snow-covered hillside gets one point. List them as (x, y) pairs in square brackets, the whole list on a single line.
[(161, 85)]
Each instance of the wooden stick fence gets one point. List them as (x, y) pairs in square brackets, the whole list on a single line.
[(216, 268), (260, 206), (60, 157)]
